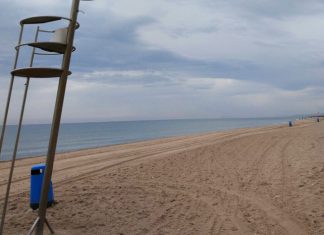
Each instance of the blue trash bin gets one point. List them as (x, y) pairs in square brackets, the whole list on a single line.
[(36, 181)]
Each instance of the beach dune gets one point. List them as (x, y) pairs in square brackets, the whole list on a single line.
[(267, 180)]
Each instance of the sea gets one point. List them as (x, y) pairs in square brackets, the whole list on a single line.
[(76, 136)]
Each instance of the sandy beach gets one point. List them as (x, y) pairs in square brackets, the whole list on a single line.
[(267, 180)]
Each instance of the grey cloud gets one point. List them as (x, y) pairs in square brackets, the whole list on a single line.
[(116, 45), (111, 41), (268, 8), (282, 9), (139, 78)]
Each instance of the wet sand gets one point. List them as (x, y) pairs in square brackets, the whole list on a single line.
[(267, 180)]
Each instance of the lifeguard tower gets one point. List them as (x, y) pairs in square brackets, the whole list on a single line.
[(59, 44)]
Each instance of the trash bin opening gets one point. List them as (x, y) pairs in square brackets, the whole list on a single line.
[(35, 172)]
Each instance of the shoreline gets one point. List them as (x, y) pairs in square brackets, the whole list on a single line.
[(29, 147), (273, 176), (153, 139)]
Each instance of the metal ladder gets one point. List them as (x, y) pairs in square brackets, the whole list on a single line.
[(48, 48)]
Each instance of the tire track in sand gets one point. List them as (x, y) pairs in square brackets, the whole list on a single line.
[(227, 210)]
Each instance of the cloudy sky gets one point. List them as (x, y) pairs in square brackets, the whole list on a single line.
[(167, 59)]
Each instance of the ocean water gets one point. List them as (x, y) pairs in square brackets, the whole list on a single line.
[(74, 136)]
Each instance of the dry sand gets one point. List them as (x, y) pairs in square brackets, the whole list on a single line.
[(250, 181)]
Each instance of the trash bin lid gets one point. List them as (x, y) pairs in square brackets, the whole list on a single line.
[(38, 166)]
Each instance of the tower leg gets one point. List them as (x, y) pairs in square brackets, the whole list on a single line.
[(5, 204), (49, 226), (33, 227), (57, 119), (31, 230)]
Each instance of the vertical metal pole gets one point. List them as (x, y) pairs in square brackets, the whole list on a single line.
[(9, 93), (17, 140), (4, 124), (57, 119)]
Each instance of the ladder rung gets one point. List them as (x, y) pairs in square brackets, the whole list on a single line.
[(45, 19), (48, 46), (40, 19), (34, 72)]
